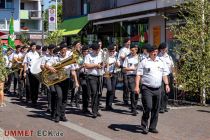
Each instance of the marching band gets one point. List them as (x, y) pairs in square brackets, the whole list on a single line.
[(99, 67)]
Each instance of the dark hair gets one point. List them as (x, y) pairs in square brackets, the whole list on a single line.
[(111, 47), (95, 46), (126, 40), (63, 46), (162, 46), (18, 46), (51, 46), (33, 43), (38, 47), (75, 42), (44, 48)]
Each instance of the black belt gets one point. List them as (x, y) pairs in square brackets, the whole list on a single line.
[(151, 88), (132, 75), (94, 75)]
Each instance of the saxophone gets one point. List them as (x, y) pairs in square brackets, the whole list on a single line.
[(49, 78)]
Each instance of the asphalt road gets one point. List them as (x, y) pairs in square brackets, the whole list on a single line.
[(180, 123)]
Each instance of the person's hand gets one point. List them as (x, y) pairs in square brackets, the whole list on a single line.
[(24, 75), (77, 84), (53, 70), (98, 66), (167, 88), (136, 90)]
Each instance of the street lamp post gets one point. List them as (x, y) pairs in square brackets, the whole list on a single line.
[(42, 10)]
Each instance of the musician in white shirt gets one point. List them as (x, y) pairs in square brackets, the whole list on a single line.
[(30, 57), (93, 64), (164, 56)]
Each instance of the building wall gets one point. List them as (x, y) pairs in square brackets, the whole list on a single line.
[(154, 22), (128, 2), (71, 8), (7, 13)]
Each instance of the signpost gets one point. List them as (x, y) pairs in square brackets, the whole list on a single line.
[(52, 19)]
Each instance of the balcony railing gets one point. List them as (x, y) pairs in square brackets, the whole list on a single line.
[(30, 14), (33, 14)]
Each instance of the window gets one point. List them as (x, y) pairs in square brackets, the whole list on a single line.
[(84, 7), (2, 4), (22, 6), (2, 24), (9, 4)]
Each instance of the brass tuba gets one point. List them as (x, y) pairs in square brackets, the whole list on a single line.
[(49, 78)]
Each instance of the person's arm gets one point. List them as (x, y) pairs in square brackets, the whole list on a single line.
[(137, 81), (165, 80), (74, 76)]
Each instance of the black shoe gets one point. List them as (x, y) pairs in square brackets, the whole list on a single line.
[(71, 104), (153, 131), (64, 119), (94, 116), (99, 114), (134, 113), (161, 111), (57, 119), (144, 130), (126, 103), (86, 111), (109, 108), (166, 110)]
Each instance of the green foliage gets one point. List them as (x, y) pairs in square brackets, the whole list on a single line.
[(24, 38), (194, 48), (3, 70), (54, 37)]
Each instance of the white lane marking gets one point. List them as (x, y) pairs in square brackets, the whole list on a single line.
[(86, 132), (3, 137)]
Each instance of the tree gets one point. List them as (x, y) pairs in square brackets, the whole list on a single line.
[(54, 37), (24, 38), (194, 48)]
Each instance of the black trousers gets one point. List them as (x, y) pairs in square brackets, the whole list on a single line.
[(164, 95), (34, 87), (111, 86), (59, 98), (94, 82), (125, 88), (151, 104), (18, 81), (85, 90), (133, 97)]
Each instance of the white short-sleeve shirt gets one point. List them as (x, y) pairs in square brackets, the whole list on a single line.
[(123, 52), (30, 57), (131, 62), (168, 60), (93, 59), (152, 72)]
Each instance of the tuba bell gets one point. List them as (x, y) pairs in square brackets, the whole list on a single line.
[(49, 78)]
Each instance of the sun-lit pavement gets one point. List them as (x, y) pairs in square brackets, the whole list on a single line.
[(189, 123)]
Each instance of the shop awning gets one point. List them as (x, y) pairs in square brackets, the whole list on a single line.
[(17, 42), (2, 33), (73, 26)]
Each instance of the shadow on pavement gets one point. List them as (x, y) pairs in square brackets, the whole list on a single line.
[(206, 111), (126, 127)]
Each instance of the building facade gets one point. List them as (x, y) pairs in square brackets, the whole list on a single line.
[(27, 18), (112, 20)]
